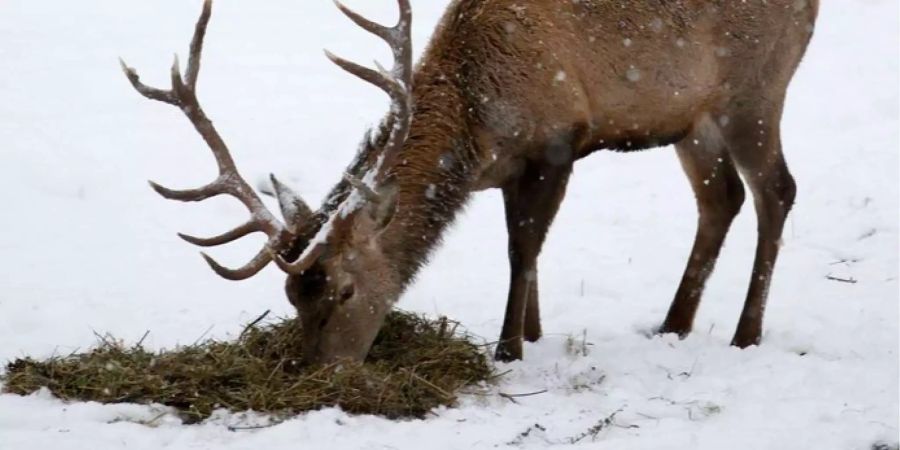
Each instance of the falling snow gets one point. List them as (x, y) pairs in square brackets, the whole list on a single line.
[(824, 378)]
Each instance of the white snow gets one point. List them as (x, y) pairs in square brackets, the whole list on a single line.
[(86, 246)]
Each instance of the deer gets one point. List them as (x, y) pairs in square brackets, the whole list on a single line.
[(509, 94)]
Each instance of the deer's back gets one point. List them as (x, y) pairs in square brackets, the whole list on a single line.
[(613, 73)]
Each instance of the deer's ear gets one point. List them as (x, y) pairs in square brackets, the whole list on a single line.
[(383, 212), (379, 211), (293, 208)]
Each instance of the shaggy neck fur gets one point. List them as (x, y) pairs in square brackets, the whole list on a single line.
[(433, 177), (438, 161)]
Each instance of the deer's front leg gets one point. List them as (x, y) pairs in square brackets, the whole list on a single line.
[(720, 194), (531, 202)]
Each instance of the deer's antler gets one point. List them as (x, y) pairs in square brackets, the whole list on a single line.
[(397, 83), (183, 94)]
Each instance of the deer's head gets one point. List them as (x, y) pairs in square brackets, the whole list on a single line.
[(338, 275), (342, 289)]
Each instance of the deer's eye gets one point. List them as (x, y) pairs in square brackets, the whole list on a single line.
[(312, 283), (346, 293)]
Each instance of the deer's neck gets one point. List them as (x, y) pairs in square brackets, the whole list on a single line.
[(433, 178)]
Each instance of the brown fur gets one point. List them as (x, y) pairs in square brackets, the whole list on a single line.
[(510, 94)]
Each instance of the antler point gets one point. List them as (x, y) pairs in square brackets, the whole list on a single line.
[(186, 237), (216, 267)]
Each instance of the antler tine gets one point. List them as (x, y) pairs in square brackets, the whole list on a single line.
[(224, 238), (150, 92), (258, 263), (377, 29), (379, 79), (229, 182), (187, 195), (304, 262), (403, 49), (193, 69)]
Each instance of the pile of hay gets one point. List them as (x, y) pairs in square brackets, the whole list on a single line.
[(415, 365)]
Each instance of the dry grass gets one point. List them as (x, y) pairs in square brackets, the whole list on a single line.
[(415, 365)]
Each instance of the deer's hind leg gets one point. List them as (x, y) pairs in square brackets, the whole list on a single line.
[(531, 203), (720, 194), (755, 147)]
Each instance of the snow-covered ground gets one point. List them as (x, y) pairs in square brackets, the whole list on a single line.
[(87, 246)]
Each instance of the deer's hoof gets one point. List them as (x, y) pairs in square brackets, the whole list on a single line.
[(508, 351), (680, 330), (744, 341)]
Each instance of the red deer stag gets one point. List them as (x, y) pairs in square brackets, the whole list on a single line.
[(509, 94)]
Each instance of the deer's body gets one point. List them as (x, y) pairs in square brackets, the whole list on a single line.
[(509, 94)]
